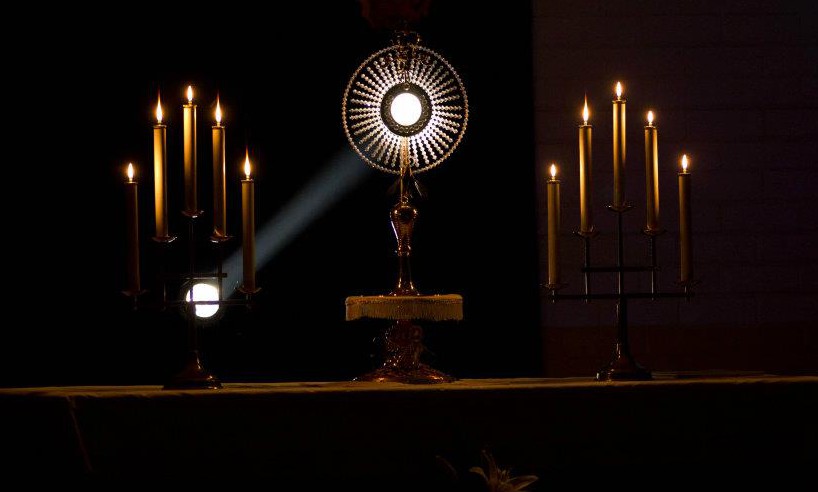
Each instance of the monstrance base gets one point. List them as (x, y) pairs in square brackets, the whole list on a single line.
[(422, 374)]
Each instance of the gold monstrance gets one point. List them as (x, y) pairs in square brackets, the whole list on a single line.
[(405, 111)]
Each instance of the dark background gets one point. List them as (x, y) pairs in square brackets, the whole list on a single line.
[(734, 84), (83, 107)]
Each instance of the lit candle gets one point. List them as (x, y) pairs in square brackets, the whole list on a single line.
[(619, 149), (248, 204), (219, 186), (160, 157), (132, 233), (189, 109), (685, 246), (553, 185), (652, 175), (586, 218)]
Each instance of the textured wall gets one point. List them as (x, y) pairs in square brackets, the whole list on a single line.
[(735, 85)]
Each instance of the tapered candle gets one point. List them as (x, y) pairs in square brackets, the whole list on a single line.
[(553, 185), (132, 233), (685, 241), (248, 215), (619, 131), (189, 110), (586, 218), (160, 157), (219, 185), (652, 175)]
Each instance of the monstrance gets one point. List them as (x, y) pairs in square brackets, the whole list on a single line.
[(405, 111)]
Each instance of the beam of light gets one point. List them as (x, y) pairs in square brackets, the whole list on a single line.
[(342, 174)]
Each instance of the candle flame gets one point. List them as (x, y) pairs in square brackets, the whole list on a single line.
[(218, 112), (684, 163), (130, 172), (585, 113), (618, 90), (190, 94), (553, 171), (159, 110), (650, 118), (247, 165)]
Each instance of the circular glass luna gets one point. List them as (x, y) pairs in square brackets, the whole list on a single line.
[(204, 292), (406, 109)]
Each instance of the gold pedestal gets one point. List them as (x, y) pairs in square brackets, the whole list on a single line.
[(403, 340)]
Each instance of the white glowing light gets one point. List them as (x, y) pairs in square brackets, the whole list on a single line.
[(684, 163), (406, 109), (650, 118), (204, 292), (553, 171)]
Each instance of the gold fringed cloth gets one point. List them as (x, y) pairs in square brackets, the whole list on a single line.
[(441, 307)]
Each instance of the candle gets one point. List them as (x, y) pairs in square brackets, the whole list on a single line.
[(619, 149), (189, 110), (553, 185), (586, 219), (160, 156), (248, 200), (652, 175), (219, 186), (132, 233), (685, 246)]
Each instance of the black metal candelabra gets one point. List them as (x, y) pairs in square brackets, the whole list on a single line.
[(194, 374), (622, 366)]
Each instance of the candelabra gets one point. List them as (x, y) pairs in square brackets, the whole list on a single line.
[(190, 280), (622, 366)]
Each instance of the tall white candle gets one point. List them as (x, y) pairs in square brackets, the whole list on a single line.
[(160, 158), (619, 132), (652, 175), (132, 233), (553, 185), (248, 214), (219, 185), (685, 240), (586, 217), (189, 110)]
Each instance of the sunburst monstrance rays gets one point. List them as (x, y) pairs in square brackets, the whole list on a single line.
[(377, 138)]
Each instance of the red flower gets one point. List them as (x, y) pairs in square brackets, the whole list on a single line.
[(393, 14)]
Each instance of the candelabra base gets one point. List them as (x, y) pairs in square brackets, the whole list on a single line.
[(193, 376), (403, 346), (623, 368)]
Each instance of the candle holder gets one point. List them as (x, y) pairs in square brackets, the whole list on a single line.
[(622, 366), (405, 111), (193, 374)]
